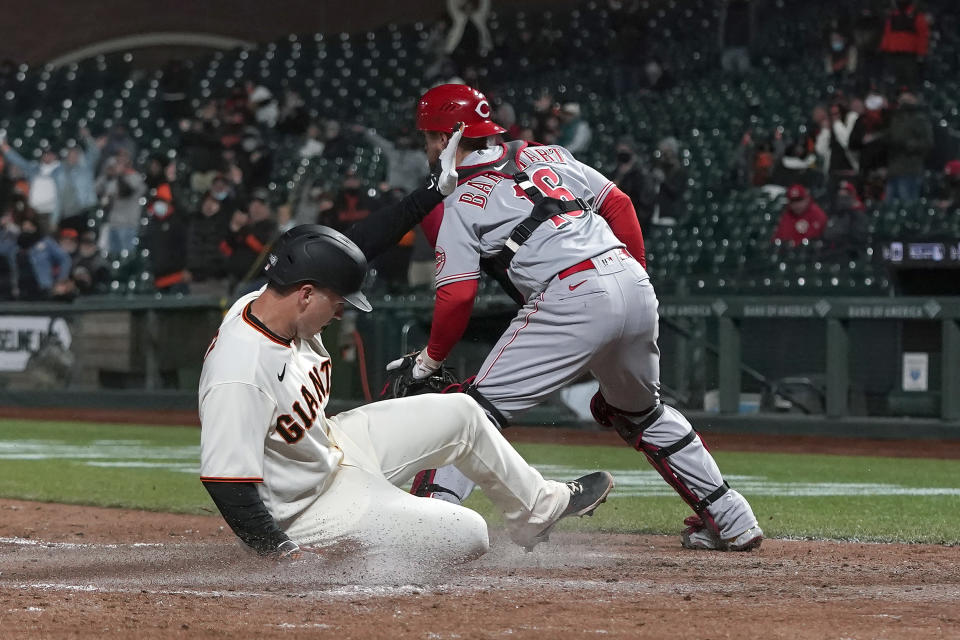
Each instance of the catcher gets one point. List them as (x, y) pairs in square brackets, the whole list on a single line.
[(566, 242)]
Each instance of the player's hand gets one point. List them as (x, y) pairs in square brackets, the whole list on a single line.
[(420, 365), (447, 181)]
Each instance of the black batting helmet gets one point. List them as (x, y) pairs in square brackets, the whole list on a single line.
[(322, 256)]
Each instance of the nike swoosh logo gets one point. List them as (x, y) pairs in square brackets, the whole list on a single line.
[(574, 286), (501, 166), (282, 373)]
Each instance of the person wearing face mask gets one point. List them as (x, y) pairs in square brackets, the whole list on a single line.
[(90, 273), (43, 268), (350, 205), (165, 237), (840, 60), (905, 43), (205, 269), (845, 235), (632, 178)]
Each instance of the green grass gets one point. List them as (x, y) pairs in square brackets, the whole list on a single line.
[(50, 461)]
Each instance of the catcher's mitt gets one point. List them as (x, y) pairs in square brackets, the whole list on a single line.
[(400, 382)]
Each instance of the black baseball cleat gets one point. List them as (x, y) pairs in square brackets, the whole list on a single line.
[(586, 494)]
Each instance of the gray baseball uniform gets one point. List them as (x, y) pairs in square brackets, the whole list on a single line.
[(590, 306)]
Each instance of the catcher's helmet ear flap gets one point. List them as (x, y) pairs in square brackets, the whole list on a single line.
[(322, 256), (442, 107)]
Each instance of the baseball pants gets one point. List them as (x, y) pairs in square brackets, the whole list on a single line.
[(604, 321), (386, 443)]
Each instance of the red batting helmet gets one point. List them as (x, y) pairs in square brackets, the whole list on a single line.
[(444, 106)]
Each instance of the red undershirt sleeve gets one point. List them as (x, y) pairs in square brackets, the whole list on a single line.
[(451, 313), (431, 224), (618, 211)]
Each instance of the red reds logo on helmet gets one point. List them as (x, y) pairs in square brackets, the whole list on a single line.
[(441, 258), (442, 107)]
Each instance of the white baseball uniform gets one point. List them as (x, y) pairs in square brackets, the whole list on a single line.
[(330, 479), (590, 306)]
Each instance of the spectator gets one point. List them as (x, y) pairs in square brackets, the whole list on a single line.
[(8, 255), (224, 189), (313, 143), (477, 12), (950, 195), (42, 267), (155, 173), (757, 158), (909, 141), (657, 75), (78, 191), (671, 180), (737, 27), (166, 238), (801, 219), (118, 141), (906, 40), (200, 147), (264, 106), (575, 132), (546, 125), (249, 236), (867, 34), (293, 117), (840, 59), (869, 139), (407, 166), (833, 141), (45, 179), (312, 205), (120, 189), (91, 273), (631, 177), (796, 166), (334, 144), (255, 161), (845, 235), (206, 272), (349, 205)]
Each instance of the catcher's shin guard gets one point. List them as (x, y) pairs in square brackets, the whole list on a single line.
[(631, 427)]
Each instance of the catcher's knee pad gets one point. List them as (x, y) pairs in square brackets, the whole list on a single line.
[(629, 424), (631, 427)]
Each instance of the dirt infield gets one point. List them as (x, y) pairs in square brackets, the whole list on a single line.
[(76, 572)]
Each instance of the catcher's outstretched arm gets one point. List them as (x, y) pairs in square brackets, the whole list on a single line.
[(240, 505), (384, 228)]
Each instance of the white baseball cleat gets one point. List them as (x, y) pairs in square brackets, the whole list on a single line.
[(698, 536)]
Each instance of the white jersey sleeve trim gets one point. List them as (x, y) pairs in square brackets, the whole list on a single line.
[(457, 277), (603, 195)]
